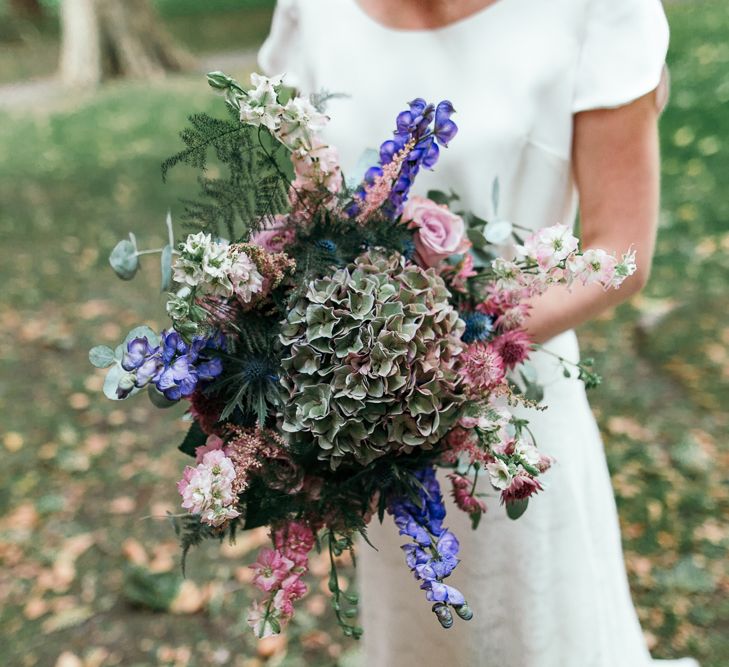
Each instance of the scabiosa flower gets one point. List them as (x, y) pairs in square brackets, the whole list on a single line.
[(521, 487), (433, 555), (482, 368), (513, 347), (207, 489), (478, 326)]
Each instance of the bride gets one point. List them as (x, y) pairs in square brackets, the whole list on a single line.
[(555, 98)]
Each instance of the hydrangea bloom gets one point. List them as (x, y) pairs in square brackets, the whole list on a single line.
[(370, 361), (207, 489)]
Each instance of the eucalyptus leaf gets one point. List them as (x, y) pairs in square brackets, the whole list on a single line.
[(516, 508), (142, 331), (166, 266), (124, 260), (101, 356), (113, 378), (498, 232)]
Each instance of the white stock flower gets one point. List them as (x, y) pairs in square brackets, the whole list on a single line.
[(260, 106), (299, 122), (244, 277)]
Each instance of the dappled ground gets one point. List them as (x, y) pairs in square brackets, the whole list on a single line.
[(86, 554)]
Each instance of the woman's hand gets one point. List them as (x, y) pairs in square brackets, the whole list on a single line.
[(616, 168)]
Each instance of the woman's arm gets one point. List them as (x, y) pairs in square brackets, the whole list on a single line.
[(616, 168)]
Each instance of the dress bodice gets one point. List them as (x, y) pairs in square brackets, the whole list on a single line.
[(515, 71)]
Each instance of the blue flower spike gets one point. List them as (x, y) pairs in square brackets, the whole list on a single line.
[(433, 553)]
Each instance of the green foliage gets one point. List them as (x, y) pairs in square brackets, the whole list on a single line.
[(255, 186), (195, 438)]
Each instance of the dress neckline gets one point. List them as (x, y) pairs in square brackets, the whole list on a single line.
[(453, 25)]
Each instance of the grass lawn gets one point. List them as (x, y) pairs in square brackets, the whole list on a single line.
[(81, 561)]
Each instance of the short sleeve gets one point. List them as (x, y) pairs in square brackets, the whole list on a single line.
[(623, 53), (281, 50)]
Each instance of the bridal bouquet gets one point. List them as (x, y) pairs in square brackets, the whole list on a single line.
[(336, 342)]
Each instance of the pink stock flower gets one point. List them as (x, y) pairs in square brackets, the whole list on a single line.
[(440, 233), (593, 266), (522, 486), (295, 540), (207, 489), (482, 367), (318, 167), (213, 443), (279, 573), (275, 235), (549, 246), (271, 568), (463, 497), (513, 347)]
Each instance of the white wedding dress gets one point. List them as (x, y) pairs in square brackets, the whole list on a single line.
[(550, 589)]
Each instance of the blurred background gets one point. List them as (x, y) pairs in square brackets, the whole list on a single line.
[(90, 567)]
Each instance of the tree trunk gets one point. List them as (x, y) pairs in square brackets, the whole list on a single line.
[(102, 39)]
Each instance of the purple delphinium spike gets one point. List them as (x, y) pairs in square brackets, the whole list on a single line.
[(433, 555), (420, 130), (174, 367)]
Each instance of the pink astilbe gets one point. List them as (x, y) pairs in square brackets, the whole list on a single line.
[(513, 347), (279, 572), (462, 495), (250, 449), (377, 192), (522, 486), (482, 368)]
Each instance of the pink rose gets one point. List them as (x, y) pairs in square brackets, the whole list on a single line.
[(440, 234)]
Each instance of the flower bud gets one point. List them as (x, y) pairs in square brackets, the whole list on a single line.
[(443, 614), (464, 611)]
